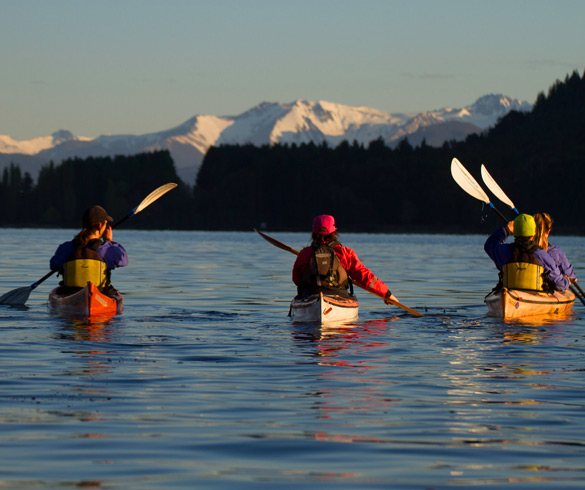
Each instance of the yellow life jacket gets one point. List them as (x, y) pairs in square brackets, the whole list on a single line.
[(523, 270), (523, 275), (86, 265), (78, 272)]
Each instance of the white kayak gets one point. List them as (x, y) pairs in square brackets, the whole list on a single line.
[(324, 308)]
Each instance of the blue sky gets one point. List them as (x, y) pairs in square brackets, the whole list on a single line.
[(116, 66)]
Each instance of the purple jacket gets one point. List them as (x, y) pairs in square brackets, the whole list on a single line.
[(499, 251), (562, 262), (113, 254)]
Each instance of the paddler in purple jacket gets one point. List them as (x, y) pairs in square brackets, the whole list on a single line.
[(544, 224), (523, 264), (92, 253)]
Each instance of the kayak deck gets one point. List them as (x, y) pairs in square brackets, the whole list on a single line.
[(88, 301), (324, 308), (514, 303)]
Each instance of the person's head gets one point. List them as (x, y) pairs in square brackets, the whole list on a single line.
[(93, 216), (324, 229), (94, 223), (524, 226), (543, 226)]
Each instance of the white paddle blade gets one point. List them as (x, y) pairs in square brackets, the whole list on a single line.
[(16, 296), (467, 182), (493, 186), (154, 195)]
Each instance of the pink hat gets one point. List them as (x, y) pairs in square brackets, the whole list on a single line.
[(324, 224)]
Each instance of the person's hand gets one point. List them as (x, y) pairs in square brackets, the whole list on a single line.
[(388, 297), (510, 228), (108, 234)]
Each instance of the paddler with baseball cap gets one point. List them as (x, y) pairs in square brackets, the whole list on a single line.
[(92, 254)]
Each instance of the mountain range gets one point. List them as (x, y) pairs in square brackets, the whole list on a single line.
[(267, 123)]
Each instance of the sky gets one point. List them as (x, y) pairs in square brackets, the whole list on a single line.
[(141, 66)]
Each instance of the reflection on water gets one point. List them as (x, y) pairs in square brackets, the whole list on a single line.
[(203, 381), (94, 329)]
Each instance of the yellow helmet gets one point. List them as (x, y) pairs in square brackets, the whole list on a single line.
[(524, 226)]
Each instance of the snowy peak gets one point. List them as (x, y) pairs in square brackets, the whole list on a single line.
[(254, 126), (498, 104), (27, 147), (62, 136), (485, 111), (300, 121), (199, 131)]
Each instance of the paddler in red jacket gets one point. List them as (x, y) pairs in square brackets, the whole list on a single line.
[(328, 266)]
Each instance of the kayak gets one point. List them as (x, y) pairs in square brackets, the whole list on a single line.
[(88, 301), (515, 303), (324, 308)]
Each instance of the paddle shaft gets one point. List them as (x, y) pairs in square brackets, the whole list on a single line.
[(283, 246), (498, 212)]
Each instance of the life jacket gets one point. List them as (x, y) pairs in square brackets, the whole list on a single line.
[(523, 270), (324, 271), (86, 265)]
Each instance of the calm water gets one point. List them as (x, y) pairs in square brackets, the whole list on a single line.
[(203, 382)]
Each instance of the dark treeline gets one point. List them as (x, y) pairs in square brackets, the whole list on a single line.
[(119, 184), (536, 157)]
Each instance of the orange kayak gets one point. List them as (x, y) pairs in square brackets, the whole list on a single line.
[(88, 301), (515, 303)]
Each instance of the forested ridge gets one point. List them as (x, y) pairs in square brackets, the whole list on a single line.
[(536, 157)]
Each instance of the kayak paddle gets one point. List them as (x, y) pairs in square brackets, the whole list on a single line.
[(497, 191), (470, 185), (296, 252), (19, 296)]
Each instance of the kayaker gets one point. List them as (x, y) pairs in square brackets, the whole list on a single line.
[(328, 266), (523, 264), (544, 224), (92, 254)]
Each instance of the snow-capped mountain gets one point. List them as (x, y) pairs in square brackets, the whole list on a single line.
[(267, 123)]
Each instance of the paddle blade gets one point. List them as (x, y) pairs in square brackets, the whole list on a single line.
[(154, 195), (16, 296), (493, 186), (467, 182)]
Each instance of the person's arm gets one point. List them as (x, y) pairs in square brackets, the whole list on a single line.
[(300, 264), (562, 261), (360, 273), (551, 270), (113, 253), (495, 246), (60, 257)]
